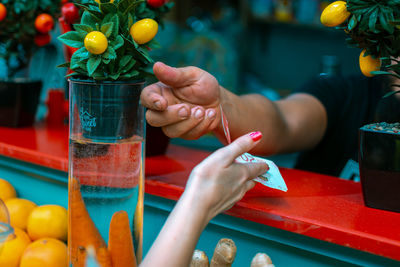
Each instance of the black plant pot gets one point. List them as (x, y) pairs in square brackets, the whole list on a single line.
[(19, 100), (379, 161), (108, 111)]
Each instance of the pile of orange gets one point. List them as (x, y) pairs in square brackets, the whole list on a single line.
[(40, 232)]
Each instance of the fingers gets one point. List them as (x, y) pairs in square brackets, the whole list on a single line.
[(241, 145), (171, 115), (176, 77), (255, 169), (152, 98)]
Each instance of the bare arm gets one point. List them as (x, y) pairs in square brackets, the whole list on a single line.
[(186, 104), (295, 123), (214, 185)]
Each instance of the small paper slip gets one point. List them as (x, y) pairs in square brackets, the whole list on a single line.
[(272, 178)]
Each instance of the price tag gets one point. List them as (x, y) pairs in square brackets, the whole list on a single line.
[(272, 178)]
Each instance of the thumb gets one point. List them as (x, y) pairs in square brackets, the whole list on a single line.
[(176, 77)]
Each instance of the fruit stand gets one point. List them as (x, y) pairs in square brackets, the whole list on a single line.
[(320, 221)]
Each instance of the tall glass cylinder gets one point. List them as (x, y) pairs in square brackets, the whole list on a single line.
[(106, 173)]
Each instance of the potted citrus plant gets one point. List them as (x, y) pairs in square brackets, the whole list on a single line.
[(25, 26), (107, 128), (374, 27)]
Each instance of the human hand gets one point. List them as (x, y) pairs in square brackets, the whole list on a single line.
[(185, 103), (218, 182)]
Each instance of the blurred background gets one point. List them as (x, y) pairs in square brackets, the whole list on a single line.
[(265, 46)]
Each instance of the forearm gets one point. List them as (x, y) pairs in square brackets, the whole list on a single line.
[(176, 242), (253, 112)]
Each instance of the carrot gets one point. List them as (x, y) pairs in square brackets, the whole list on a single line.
[(199, 259), (224, 253), (83, 232), (103, 257), (261, 260), (120, 241)]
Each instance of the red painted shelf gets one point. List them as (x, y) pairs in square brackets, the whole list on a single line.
[(318, 206)]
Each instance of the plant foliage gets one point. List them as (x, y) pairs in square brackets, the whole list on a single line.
[(18, 31), (124, 59), (374, 25)]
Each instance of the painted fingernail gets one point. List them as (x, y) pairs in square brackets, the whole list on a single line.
[(157, 104), (183, 113), (198, 113), (211, 114), (256, 136)]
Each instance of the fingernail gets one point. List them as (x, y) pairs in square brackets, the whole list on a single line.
[(183, 113), (157, 104), (256, 136), (211, 113), (198, 113)]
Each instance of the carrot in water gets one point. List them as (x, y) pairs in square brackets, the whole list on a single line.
[(83, 232), (103, 257), (120, 241)]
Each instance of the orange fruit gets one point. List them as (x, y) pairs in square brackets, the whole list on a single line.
[(6, 190), (45, 252), (19, 210), (368, 64), (96, 42), (334, 14), (44, 23), (48, 221), (14, 248), (3, 11), (144, 30)]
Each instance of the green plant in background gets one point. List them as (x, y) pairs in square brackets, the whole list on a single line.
[(114, 39), (25, 26), (373, 26)]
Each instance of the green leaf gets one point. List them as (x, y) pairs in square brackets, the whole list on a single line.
[(64, 65), (388, 27), (72, 39), (92, 64), (82, 28), (107, 29), (89, 19), (125, 59), (118, 42), (108, 8), (393, 92), (82, 53)]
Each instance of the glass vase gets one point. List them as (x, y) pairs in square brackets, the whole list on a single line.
[(106, 173)]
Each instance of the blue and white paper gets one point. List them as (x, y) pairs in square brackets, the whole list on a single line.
[(272, 178)]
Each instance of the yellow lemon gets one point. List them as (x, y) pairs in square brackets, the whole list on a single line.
[(144, 30), (98, 1), (19, 210), (368, 64), (96, 42), (48, 221), (6, 190), (14, 248), (47, 252), (334, 14)]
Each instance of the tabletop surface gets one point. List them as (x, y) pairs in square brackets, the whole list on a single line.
[(315, 205)]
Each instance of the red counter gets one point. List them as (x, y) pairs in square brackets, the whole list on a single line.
[(318, 206)]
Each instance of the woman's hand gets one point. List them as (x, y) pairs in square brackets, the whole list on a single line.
[(214, 185), (185, 103), (218, 182)]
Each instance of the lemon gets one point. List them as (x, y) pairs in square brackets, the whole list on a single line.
[(48, 221), (14, 248), (96, 42), (334, 14), (143, 31), (19, 210), (6, 190), (368, 64)]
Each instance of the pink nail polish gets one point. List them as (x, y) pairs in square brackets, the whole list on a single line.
[(256, 136)]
